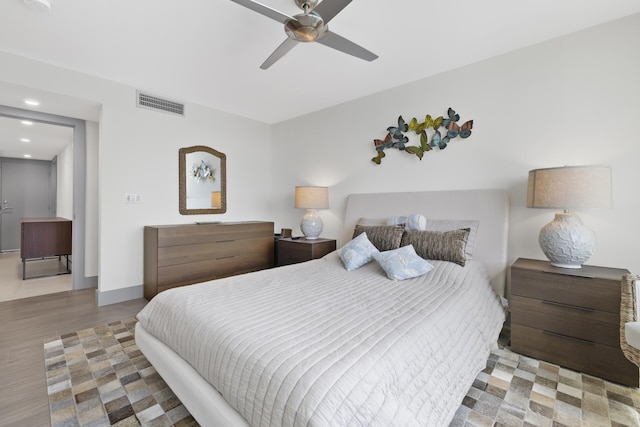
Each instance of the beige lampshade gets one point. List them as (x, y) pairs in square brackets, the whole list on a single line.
[(216, 199), (312, 197), (570, 188)]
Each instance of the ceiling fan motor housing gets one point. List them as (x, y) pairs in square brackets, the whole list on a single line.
[(306, 27)]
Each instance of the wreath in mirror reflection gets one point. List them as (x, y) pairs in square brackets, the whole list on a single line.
[(202, 172), (396, 137)]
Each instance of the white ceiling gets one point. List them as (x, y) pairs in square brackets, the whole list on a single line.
[(209, 51), (44, 141)]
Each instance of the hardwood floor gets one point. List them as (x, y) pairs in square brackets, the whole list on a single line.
[(25, 323)]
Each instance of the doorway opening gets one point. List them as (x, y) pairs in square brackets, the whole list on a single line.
[(78, 168)]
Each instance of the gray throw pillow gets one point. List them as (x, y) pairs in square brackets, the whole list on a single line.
[(439, 245), (383, 237)]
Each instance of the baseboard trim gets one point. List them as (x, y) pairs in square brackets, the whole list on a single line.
[(88, 283), (118, 295)]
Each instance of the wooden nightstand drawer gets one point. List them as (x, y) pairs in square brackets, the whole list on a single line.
[(583, 291), (591, 325), (596, 359), (292, 251)]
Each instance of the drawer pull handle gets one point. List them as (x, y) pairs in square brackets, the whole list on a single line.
[(571, 273), (577, 307), (226, 257), (568, 337), (225, 241)]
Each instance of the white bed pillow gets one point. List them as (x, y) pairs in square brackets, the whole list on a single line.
[(372, 221), (357, 252), (457, 224), (402, 263), (413, 222)]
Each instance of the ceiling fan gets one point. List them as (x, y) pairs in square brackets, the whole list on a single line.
[(310, 26)]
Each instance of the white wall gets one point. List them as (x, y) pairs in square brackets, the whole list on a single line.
[(64, 182), (570, 101), (138, 153)]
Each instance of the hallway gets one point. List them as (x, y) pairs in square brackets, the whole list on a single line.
[(12, 286)]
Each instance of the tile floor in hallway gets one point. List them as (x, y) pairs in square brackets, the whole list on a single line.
[(12, 286)]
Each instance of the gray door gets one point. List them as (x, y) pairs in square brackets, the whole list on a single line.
[(25, 187)]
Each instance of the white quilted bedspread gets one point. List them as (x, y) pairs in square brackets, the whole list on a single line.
[(315, 345)]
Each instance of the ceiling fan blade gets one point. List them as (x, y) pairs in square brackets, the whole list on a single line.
[(281, 51), (328, 9), (264, 10), (337, 42)]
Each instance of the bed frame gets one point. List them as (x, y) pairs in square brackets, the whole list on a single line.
[(490, 207)]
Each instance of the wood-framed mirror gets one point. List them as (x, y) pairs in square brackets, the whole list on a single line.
[(202, 181)]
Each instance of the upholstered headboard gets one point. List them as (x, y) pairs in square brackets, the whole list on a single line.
[(490, 207)]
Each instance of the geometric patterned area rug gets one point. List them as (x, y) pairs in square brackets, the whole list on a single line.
[(98, 377), (515, 390)]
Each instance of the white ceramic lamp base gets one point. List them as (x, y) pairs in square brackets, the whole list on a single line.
[(311, 225), (566, 241)]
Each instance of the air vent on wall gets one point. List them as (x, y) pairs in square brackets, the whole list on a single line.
[(152, 102)]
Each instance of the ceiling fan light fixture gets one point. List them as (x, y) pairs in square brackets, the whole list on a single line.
[(307, 27)]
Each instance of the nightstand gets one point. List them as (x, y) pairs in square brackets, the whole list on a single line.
[(570, 318), (292, 251)]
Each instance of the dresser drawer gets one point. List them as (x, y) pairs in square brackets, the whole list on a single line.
[(202, 271), (592, 293), (212, 233), (172, 255), (591, 325), (595, 359)]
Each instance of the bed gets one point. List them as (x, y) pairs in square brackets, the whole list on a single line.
[(315, 344)]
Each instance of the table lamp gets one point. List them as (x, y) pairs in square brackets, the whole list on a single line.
[(311, 198), (566, 241)]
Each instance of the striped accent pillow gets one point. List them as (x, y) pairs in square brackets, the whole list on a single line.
[(383, 237), (457, 224), (439, 245)]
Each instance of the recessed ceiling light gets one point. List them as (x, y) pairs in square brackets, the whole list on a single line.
[(25, 140), (28, 156), (32, 102), (26, 122)]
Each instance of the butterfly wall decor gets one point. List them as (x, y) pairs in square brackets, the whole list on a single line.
[(396, 135)]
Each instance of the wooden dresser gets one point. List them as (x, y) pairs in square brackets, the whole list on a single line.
[(570, 318), (178, 255)]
